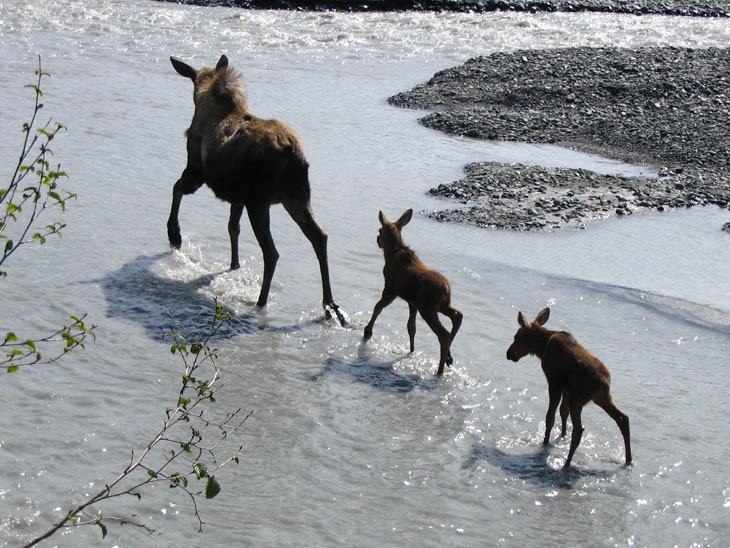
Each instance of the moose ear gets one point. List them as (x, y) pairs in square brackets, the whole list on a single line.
[(382, 219), (542, 316), (404, 219), (222, 63), (183, 69), (522, 320)]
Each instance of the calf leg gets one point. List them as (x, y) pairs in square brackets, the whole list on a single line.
[(575, 411), (555, 394), (258, 214), (412, 324), (456, 316), (622, 420), (188, 183), (564, 416), (432, 319), (384, 301), (234, 229)]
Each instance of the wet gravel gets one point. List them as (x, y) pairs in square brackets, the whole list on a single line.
[(706, 8), (666, 107)]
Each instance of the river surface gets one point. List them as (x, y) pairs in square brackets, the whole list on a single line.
[(349, 444)]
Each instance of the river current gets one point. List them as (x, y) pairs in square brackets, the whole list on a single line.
[(349, 443)]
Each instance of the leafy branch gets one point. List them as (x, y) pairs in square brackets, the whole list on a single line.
[(28, 352), (32, 190), (33, 187), (180, 440)]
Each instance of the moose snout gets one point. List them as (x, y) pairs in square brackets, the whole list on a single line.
[(512, 355)]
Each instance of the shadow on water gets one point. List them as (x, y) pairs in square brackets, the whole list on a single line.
[(160, 304), (363, 368), (532, 467)]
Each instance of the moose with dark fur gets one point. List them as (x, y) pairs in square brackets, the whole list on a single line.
[(426, 291), (248, 162), (573, 374)]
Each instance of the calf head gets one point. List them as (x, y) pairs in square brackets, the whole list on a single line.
[(389, 233), (526, 339)]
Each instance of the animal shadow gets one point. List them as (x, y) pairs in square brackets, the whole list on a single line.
[(363, 368), (159, 304), (532, 467)]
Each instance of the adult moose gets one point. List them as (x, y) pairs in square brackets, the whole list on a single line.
[(248, 162), (426, 291), (573, 374)]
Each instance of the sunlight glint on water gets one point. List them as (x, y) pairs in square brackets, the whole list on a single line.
[(350, 444)]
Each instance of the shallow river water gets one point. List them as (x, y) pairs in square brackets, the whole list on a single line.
[(349, 444)]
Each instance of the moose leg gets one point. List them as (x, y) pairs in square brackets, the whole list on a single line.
[(575, 411), (456, 316), (412, 325), (258, 214), (432, 319), (384, 301), (555, 393), (188, 183), (234, 229), (564, 410), (302, 214), (622, 420)]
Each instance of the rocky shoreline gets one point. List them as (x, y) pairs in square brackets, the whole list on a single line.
[(666, 107), (701, 8)]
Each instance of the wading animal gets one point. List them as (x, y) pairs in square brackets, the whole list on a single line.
[(425, 290), (248, 162), (573, 374)]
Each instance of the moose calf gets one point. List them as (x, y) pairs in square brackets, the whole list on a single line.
[(573, 374), (425, 290)]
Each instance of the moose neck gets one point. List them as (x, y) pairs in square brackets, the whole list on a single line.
[(394, 246), (539, 337)]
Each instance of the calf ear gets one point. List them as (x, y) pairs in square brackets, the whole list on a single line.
[(222, 63), (522, 320), (542, 316), (382, 219), (183, 69), (404, 219)]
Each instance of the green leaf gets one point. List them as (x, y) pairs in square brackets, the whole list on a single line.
[(103, 529), (12, 369), (200, 470), (10, 337), (212, 488)]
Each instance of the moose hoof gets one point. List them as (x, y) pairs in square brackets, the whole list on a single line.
[(174, 237), (235, 266)]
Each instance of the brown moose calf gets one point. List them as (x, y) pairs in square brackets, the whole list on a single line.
[(573, 374), (425, 290)]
